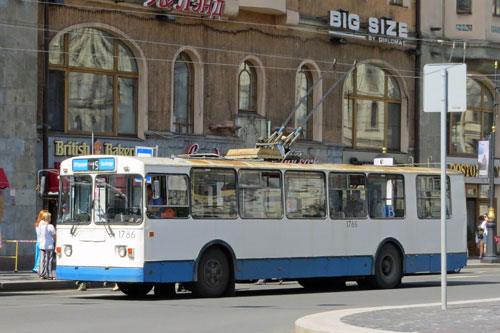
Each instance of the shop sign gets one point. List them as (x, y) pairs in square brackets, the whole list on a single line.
[(73, 148), (388, 30), (211, 8), (470, 170)]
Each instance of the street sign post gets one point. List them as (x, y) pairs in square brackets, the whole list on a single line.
[(445, 90), (146, 151)]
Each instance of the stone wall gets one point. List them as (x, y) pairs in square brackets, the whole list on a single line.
[(18, 136)]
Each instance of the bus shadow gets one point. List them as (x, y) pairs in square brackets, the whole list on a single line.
[(249, 291)]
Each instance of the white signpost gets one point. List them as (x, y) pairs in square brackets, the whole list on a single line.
[(445, 90)]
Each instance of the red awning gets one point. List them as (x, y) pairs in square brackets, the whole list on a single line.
[(4, 183)]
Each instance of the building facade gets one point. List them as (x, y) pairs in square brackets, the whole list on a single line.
[(18, 137), (461, 31), (209, 75)]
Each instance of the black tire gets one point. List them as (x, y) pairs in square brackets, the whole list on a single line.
[(214, 277), (388, 268), (133, 289), (165, 290)]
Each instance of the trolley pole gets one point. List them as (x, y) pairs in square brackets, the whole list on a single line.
[(491, 247)]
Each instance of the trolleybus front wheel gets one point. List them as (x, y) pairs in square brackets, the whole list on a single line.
[(213, 274), (135, 289), (388, 268)]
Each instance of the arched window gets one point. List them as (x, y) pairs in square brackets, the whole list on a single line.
[(247, 88), (183, 94), (473, 125), (304, 82), (372, 109), (92, 84)]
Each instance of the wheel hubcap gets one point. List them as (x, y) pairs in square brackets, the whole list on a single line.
[(387, 266), (213, 273)]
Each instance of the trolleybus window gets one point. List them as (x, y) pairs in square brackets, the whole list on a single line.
[(259, 194), (386, 196), (76, 195), (117, 199), (213, 193), (347, 194), (305, 194), (429, 197), (172, 199)]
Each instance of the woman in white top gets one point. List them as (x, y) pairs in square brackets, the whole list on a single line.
[(47, 242)]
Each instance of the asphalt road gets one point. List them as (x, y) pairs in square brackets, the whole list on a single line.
[(268, 308)]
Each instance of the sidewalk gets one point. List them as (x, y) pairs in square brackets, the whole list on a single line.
[(462, 316)]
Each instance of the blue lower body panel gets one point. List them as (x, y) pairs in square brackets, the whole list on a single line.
[(431, 263), (251, 269)]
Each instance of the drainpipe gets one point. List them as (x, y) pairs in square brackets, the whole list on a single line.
[(418, 64), (45, 130)]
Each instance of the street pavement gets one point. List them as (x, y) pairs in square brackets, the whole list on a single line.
[(461, 316)]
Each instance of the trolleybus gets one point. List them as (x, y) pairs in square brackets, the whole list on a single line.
[(149, 222)]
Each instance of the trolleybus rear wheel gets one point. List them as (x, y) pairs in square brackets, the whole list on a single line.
[(388, 268), (133, 289), (213, 274)]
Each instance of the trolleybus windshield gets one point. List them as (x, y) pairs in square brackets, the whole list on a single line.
[(75, 201), (118, 199)]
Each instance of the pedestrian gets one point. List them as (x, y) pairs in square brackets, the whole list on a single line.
[(47, 242), (481, 237), (37, 245), (484, 226)]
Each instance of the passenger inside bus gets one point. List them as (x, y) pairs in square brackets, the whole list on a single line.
[(355, 207)]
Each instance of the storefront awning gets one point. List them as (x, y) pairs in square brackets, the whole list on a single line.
[(4, 183)]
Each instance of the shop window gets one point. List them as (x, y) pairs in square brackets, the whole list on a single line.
[(304, 82), (247, 87), (93, 79), (183, 94), (496, 7), (464, 6), (372, 109), (469, 127)]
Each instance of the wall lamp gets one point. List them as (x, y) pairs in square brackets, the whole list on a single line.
[(338, 40)]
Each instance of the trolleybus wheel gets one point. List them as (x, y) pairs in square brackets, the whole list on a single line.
[(164, 290), (388, 268), (213, 274), (133, 289)]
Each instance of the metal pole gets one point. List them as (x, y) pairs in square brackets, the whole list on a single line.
[(444, 270), (491, 248)]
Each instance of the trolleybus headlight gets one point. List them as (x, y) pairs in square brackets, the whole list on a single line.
[(122, 250), (68, 250)]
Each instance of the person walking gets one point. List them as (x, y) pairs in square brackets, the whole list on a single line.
[(37, 245), (47, 242), (482, 232)]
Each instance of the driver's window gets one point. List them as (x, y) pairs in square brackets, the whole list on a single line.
[(167, 196)]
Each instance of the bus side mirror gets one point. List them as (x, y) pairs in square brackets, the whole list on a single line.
[(41, 187), (156, 189)]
